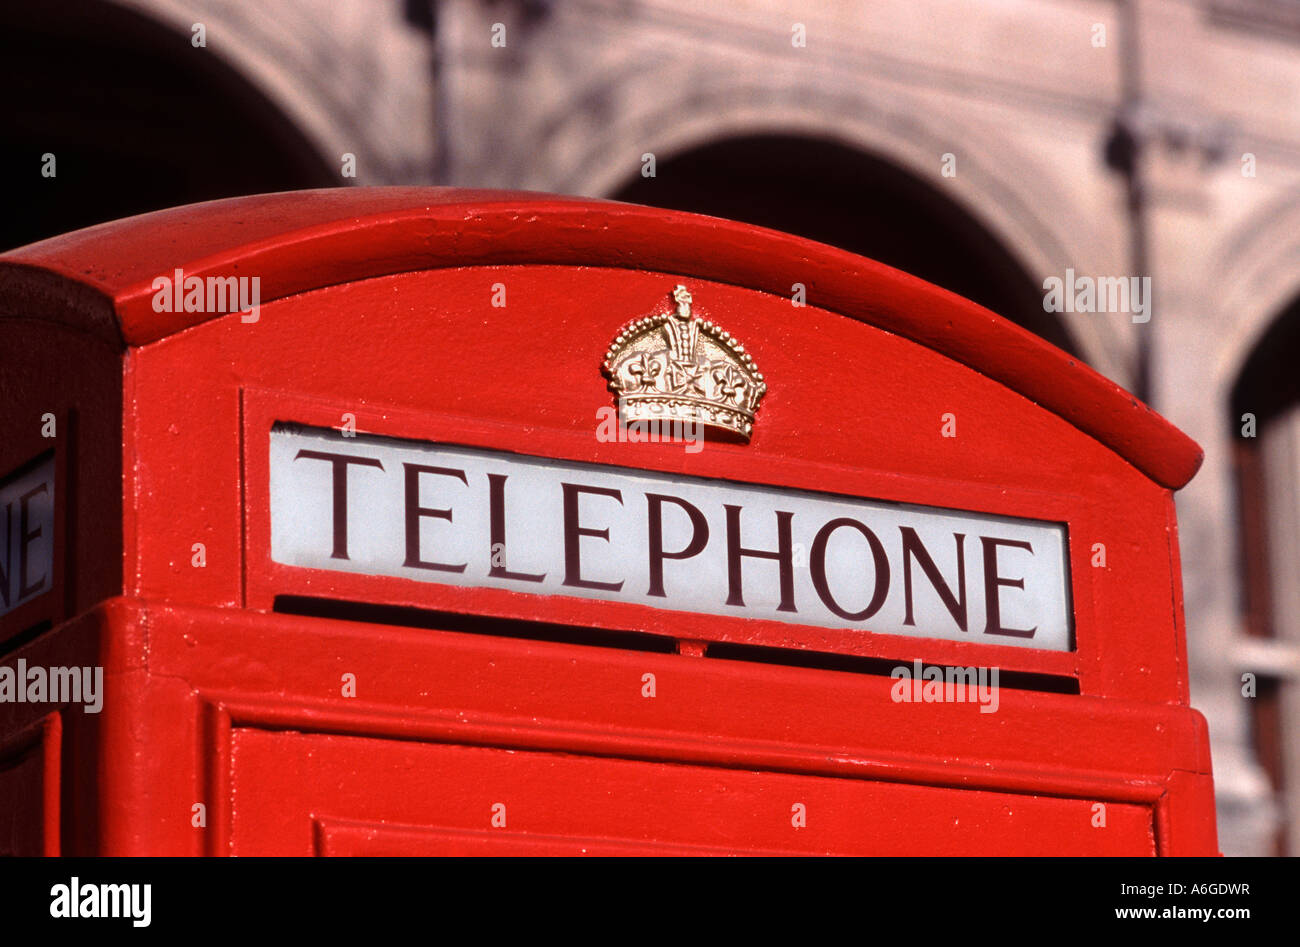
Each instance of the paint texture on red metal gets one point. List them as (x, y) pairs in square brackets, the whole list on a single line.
[(425, 356), (300, 241), (446, 725), (228, 727)]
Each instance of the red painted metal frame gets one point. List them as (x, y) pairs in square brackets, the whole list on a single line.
[(48, 369), (1129, 649), (266, 579), (367, 296), (200, 681), (304, 240)]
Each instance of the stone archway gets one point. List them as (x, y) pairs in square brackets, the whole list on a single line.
[(1264, 420), (1257, 281), (836, 194), (136, 119), (1025, 207)]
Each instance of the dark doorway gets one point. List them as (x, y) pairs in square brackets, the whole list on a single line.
[(1269, 383), (1262, 425), (838, 195), (137, 118)]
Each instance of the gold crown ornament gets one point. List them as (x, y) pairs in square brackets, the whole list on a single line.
[(673, 366)]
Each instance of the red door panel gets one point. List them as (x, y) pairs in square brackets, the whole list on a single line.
[(358, 796)]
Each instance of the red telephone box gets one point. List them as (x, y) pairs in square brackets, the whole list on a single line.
[(411, 521)]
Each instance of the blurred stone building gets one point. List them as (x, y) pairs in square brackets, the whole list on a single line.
[(984, 146)]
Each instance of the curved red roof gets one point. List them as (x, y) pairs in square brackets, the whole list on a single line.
[(304, 240)]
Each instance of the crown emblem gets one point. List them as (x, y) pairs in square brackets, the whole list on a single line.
[(674, 367)]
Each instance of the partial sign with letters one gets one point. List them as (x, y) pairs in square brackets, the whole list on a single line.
[(27, 535), (474, 517)]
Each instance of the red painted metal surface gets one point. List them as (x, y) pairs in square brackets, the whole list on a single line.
[(378, 304), (310, 239)]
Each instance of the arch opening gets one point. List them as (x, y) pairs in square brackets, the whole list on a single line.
[(1265, 435), (136, 117), (836, 194)]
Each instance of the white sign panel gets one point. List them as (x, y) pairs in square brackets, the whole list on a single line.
[(471, 517), (27, 535)]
